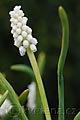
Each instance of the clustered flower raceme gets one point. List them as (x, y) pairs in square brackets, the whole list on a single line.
[(21, 32), (31, 104)]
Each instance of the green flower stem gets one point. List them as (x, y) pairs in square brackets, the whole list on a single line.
[(61, 62), (39, 83), (13, 97)]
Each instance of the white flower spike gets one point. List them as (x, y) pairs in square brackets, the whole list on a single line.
[(31, 104), (22, 33)]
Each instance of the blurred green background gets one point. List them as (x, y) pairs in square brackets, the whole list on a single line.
[(45, 22)]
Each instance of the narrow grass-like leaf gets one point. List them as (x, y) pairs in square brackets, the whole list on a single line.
[(77, 117), (23, 96), (13, 97), (61, 62), (23, 68), (4, 96)]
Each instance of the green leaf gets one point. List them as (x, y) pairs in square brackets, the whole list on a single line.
[(23, 96), (77, 117), (61, 61), (2, 99), (13, 98), (23, 68)]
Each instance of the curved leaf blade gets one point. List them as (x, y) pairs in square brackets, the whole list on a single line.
[(77, 117), (23, 68)]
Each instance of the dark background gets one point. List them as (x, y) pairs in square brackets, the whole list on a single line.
[(45, 22)]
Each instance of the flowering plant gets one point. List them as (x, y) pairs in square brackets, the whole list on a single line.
[(14, 107)]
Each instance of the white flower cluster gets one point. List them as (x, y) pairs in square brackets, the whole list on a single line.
[(21, 32), (5, 107), (32, 96)]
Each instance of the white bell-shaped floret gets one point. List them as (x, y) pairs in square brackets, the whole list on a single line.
[(22, 50), (25, 43), (33, 48), (24, 34)]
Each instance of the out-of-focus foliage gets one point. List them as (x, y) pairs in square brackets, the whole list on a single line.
[(44, 19)]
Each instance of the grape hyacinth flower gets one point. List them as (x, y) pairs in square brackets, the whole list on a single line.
[(31, 104), (22, 33)]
